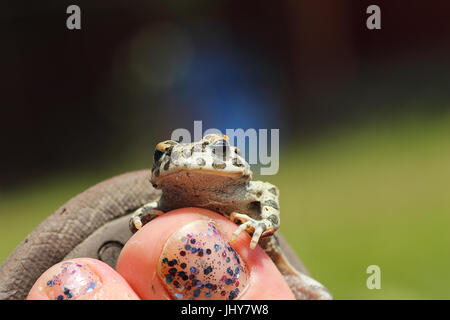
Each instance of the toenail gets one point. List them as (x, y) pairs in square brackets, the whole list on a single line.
[(71, 281), (198, 262)]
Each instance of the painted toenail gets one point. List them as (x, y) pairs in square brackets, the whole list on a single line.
[(198, 262)]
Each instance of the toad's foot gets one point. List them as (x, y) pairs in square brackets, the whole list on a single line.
[(256, 228), (144, 215)]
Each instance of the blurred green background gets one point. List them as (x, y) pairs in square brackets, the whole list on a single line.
[(375, 195), (364, 119)]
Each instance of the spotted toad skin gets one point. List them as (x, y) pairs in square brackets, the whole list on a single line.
[(212, 174)]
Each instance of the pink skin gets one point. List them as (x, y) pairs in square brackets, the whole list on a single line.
[(109, 284), (136, 275)]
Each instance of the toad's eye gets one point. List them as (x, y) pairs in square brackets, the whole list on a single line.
[(157, 155)]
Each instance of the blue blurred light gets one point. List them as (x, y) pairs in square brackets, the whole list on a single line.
[(227, 89)]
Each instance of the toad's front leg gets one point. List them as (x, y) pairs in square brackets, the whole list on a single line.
[(144, 215), (264, 198)]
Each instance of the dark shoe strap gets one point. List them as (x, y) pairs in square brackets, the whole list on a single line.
[(93, 224)]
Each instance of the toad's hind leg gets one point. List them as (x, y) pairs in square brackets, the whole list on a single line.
[(303, 286), (144, 215)]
